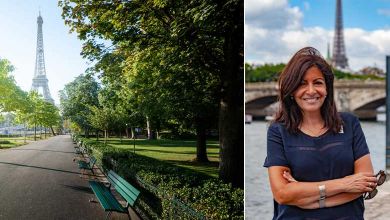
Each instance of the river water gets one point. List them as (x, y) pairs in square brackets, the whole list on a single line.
[(258, 195)]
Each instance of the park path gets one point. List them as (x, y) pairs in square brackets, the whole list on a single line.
[(41, 181)]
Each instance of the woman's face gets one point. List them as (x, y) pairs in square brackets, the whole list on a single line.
[(311, 93)]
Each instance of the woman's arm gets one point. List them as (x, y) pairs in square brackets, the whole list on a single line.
[(306, 193), (362, 165), (335, 200)]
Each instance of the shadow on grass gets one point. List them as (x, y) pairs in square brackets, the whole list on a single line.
[(8, 147), (37, 167), (162, 143), (172, 152), (202, 167), (211, 164)]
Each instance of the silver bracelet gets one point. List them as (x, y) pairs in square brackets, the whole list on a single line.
[(321, 200)]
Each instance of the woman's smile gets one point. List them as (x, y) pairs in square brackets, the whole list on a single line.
[(311, 93), (311, 100)]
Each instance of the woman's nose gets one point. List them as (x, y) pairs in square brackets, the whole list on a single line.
[(311, 89)]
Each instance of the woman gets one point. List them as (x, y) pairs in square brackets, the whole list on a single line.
[(318, 161)]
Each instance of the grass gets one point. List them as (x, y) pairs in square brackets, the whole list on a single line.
[(6, 143), (178, 152), (15, 141)]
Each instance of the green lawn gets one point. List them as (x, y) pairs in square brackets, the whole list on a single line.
[(178, 152), (9, 142)]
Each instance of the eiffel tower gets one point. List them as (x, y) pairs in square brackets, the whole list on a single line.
[(339, 58), (40, 82)]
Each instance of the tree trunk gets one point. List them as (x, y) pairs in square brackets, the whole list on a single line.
[(35, 132), (86, 133), (52, 131), (201, 150), (148, 128), (25, 133), (231, 126), (127, 132), (132, 133), (105, 136)]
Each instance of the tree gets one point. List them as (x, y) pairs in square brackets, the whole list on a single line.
[(201, 40), (76, 99), (36, 115), (12, 97), (51, 116), (101, 118)]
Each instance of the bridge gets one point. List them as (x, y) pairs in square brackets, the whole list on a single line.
[(359, 97)]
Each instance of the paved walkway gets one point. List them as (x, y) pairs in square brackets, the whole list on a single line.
[(378, 208), (41, 181)]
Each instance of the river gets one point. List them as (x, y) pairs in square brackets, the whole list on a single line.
[(258, 196)]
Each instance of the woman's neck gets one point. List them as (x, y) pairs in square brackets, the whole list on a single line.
[(312, 119), (313, 125)]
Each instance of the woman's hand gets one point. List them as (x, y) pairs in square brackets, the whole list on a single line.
[(356, 183), (288, 177), (359, 183)]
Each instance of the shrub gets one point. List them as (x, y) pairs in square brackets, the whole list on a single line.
[(169, 191)]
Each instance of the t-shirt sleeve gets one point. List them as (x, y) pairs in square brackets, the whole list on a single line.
[(275, 150), (360, 147)]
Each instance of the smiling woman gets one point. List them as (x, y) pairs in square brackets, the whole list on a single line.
[(316, 157)]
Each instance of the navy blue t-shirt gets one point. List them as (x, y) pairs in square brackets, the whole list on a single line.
[(312, 159)]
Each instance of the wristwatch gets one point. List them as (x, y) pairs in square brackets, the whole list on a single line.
[(321, 201)]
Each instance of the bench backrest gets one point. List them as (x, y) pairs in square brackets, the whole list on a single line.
[(127, 191), (92, 161)]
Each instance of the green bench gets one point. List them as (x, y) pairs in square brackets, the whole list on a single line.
[(84, 165), (107, 199)]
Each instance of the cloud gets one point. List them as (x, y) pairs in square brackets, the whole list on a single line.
[(272, 14), (384, 11), (276, 44)]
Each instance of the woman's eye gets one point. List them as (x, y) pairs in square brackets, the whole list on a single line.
[(319, 83)]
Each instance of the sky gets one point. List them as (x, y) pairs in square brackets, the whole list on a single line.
[(276, 29), (18, 42)]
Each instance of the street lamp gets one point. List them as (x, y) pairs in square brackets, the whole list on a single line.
[(134, 140), (127, 132)]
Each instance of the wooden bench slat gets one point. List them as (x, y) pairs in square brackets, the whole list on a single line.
[(124, 188), (105, 197), (87, 165), (107, 200)]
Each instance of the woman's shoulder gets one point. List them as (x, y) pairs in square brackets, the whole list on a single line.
[(348, 117), (277, 127)]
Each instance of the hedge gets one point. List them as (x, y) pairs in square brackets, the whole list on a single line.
[(169, 191)]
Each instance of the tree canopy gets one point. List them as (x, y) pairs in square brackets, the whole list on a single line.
[(171, 61), (30, 108)]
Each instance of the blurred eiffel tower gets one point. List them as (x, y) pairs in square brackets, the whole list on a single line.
[(40, 82), (339, 58)]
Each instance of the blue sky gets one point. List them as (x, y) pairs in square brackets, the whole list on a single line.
[(18, 24), (276, 29), (366, 14)]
